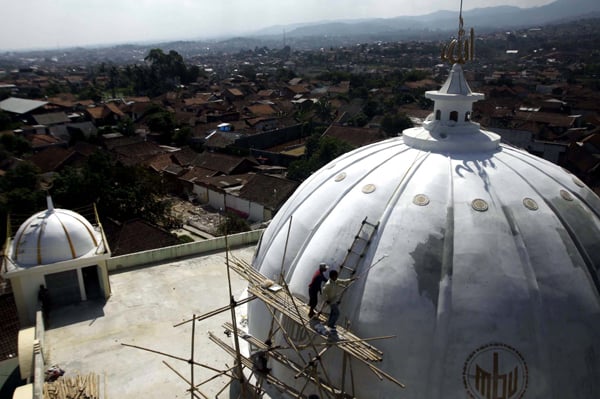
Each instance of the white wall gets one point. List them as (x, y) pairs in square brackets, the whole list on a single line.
[(182, 250), (217, 200)]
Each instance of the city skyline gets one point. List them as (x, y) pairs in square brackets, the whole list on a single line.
[(37, 24)]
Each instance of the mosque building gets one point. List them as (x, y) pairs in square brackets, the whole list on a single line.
[(59, 250), (481, 264), (477, 274)]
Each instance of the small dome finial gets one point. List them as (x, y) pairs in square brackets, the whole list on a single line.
[(49, 203), (460, 50)]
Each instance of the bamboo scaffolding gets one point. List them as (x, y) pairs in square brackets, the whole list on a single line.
[(246, 362), (274, 353), (215, 311), (190, 383), (279, 301), (180, 358), (286, 304)]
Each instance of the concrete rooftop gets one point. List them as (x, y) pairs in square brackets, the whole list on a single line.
[(144, 306)]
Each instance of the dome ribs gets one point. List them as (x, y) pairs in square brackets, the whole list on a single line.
[(570, 209), (51, 236), (68, 236)]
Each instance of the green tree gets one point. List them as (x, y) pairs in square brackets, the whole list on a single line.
[(126, 126), (20, 190), (394, 124), (320, 151), (232, 223), (372, 108), (5, 120), (14, 144), (182, 136), (249, 72), (159, 120), (324, 110), (121, 192), (92, 92), (113, 81), (165, 72)]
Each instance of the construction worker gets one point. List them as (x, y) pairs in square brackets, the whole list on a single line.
[(314, 288), (332, 293)]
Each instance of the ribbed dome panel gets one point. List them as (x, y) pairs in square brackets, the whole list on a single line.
[(484, 266), (52, 236), (495, 249)]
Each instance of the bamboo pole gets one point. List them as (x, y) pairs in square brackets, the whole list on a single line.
[(222, 373), (216, 311), (236, 341), (192, 386), (354, 346), (193, 389), (174, 357)]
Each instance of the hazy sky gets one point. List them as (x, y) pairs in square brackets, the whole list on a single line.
[(61, 23)]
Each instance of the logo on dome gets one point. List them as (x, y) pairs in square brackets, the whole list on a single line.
[(495, 371)]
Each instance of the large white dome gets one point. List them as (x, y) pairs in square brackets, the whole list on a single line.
[(51, 236), (485, 262)]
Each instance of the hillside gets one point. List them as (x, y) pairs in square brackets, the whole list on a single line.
[(490, 18)]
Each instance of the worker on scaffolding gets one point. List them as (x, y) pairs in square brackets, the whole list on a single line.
[(314, 288), (332, 293)]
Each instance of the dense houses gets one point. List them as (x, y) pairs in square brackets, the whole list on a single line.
[(226, 139)]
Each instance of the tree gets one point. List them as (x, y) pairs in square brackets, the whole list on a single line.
[(15, 144), (92, 92), (113, 81), (165, 72), (394, 124), (232, 223), (182, 135), (319, 152), (121, 192), (5, 120), (20, 190), (126, 126), (372, 108), (323, 110), (159, 120), (249, 72)]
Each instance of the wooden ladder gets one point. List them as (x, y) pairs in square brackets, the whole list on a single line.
[(357, 250)]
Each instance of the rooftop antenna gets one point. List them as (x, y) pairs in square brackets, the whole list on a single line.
[(460, 50)]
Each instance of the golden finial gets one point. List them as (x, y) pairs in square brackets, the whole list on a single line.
[(460, 50)]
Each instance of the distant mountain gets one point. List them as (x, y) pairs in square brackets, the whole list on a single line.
[(490, 18)]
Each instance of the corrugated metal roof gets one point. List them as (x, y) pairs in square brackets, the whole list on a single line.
[(53, 118), (20, 105)]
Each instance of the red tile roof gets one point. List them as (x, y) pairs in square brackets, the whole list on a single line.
[(355, 136), (135, 236), (261, 110), (50, 159)]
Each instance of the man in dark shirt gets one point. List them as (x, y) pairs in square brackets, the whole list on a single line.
[(314, 288)]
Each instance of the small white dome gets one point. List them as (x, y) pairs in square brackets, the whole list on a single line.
[(51, 236)]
